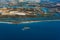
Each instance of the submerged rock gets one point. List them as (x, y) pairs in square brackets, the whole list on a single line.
[(26, 28)]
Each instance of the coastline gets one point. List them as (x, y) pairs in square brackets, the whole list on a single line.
[(28, 21)]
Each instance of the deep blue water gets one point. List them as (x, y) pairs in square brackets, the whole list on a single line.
[(38, 31)]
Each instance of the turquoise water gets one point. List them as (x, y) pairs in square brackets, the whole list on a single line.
[(37, 31)]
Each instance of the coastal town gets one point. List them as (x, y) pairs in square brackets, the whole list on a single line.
[(29, 9)]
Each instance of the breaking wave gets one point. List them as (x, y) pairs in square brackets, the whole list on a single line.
[(29, 21)]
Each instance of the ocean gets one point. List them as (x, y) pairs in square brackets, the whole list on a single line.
[(38, 31)]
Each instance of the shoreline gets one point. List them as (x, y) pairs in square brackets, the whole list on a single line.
[(28, 21)]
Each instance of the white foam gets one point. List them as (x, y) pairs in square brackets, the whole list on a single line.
[(6, 22), (39, 21), (30, 21)]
